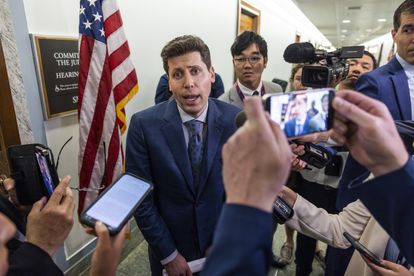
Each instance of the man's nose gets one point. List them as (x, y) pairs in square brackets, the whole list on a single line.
[(188, 80)]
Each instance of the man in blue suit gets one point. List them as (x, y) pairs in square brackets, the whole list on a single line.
[(177, 146), (393, 84), (299, 123)]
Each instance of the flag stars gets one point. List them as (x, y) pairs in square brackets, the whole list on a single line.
[(87, 24), (82, 10), (97, 16), (102, 32), (92, 2)]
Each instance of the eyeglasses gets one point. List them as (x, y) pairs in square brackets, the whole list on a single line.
[(252, 60)]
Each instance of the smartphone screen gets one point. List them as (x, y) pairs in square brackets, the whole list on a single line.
[(363, 250), (44, 170), (302, 112), (118, 202)]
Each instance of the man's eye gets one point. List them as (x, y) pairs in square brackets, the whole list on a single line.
[(255, 59), (195, 71), (177, 75)]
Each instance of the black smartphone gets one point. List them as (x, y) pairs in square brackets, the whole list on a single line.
[(302, 112), (115, 206), (33, 170), (363, 250)]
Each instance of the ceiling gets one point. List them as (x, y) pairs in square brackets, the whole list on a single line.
[(328, 16)]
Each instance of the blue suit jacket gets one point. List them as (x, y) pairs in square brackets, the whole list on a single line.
[(388, 84), (242, 243), (289, 128), (390, 200), (176, 215)]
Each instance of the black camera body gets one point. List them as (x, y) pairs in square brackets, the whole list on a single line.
[(282, 211), (336, 67), (33, 170)]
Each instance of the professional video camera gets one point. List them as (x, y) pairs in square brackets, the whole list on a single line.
[(335, 68)]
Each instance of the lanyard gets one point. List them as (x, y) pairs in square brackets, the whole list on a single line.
[(241, 95)]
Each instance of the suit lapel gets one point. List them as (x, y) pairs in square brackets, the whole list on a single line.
[(401, 89), (234, 97), (214, 132), (173, 133)]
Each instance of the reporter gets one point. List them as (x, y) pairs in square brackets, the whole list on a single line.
[(242, 242), (367, 128)]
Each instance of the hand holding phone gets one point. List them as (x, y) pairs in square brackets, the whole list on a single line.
[(364, 251), (115, 206), (302, 112)]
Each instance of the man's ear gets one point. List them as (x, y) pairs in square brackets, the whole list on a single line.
[(393, 33), (264, 62), (212, 75)]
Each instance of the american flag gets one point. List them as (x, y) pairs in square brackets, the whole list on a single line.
[(107, 81)]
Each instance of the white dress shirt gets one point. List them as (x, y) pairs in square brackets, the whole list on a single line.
[(409, 71), (247, 91)]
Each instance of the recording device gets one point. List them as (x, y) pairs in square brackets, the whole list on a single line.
[(315, 155), (336, 67), (281, 210), (406, 131), (115, 206), (302, 112), (364, 251), (33, 170)]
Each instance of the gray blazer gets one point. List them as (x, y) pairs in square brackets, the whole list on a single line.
[(233, 98)]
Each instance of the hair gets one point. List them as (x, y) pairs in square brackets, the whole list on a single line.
[(406, 6), (295, 69), (183, 45), (374, 60), (293, 97), (244, 40), (324, 97)]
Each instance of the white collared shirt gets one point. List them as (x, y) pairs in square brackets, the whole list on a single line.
[(186, 117), (409, 72), (247, 91)]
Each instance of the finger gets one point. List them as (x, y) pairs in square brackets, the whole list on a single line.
[(352, 112), (38, 205), (103, 234), (88, 230), (60, 191), (8, 184), (188, 271), (338, 138), (254, 112), (279, 134), (7, 229), (390, 265), (120, 237), (340, 127), (67, 201)]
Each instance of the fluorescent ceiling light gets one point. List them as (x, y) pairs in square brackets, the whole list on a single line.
[(382, 20), (346, 21), (344, 31)]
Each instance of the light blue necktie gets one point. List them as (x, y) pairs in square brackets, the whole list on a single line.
[(195, 148)]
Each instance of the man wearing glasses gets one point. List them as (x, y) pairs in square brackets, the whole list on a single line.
[(249, 52)]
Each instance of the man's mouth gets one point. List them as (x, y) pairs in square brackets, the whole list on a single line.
[(191, 98)]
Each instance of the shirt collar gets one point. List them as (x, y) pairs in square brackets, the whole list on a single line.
[(186, 117), (247, 91), (408, 68)]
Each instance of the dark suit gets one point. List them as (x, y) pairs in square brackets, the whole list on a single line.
[(290, 127), (242, 243), (390, 200), (388, 84), (178, 215), (163, 93)]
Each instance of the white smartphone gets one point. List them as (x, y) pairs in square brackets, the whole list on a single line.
[(115, 206)]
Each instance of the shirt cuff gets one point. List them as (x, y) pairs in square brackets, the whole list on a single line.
[(169, 258)]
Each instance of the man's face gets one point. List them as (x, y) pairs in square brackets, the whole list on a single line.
[(297, 81), (249, 72), (190, 82), (359, 66), (404, 37), (299, 107), (325, 104)]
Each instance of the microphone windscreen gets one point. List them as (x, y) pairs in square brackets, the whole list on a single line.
[(240, 119), (299, 53)]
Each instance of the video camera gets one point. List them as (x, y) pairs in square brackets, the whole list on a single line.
[(335, 68)]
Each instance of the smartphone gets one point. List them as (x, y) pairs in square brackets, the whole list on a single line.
[(302, 112), (363, 250), (115, 206), (33, 169)]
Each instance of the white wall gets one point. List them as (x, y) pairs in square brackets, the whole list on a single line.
[(374, 47), (148, 26)]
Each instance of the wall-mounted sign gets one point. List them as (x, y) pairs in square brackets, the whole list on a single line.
[(57, 60)]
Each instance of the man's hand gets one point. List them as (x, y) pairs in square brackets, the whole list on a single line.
[(297, 164), (367, 128), (49, 225), (392, 269), (108, 251), (7, 230), (256, 160), (8, 190), (178, 267), (316, 137)]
